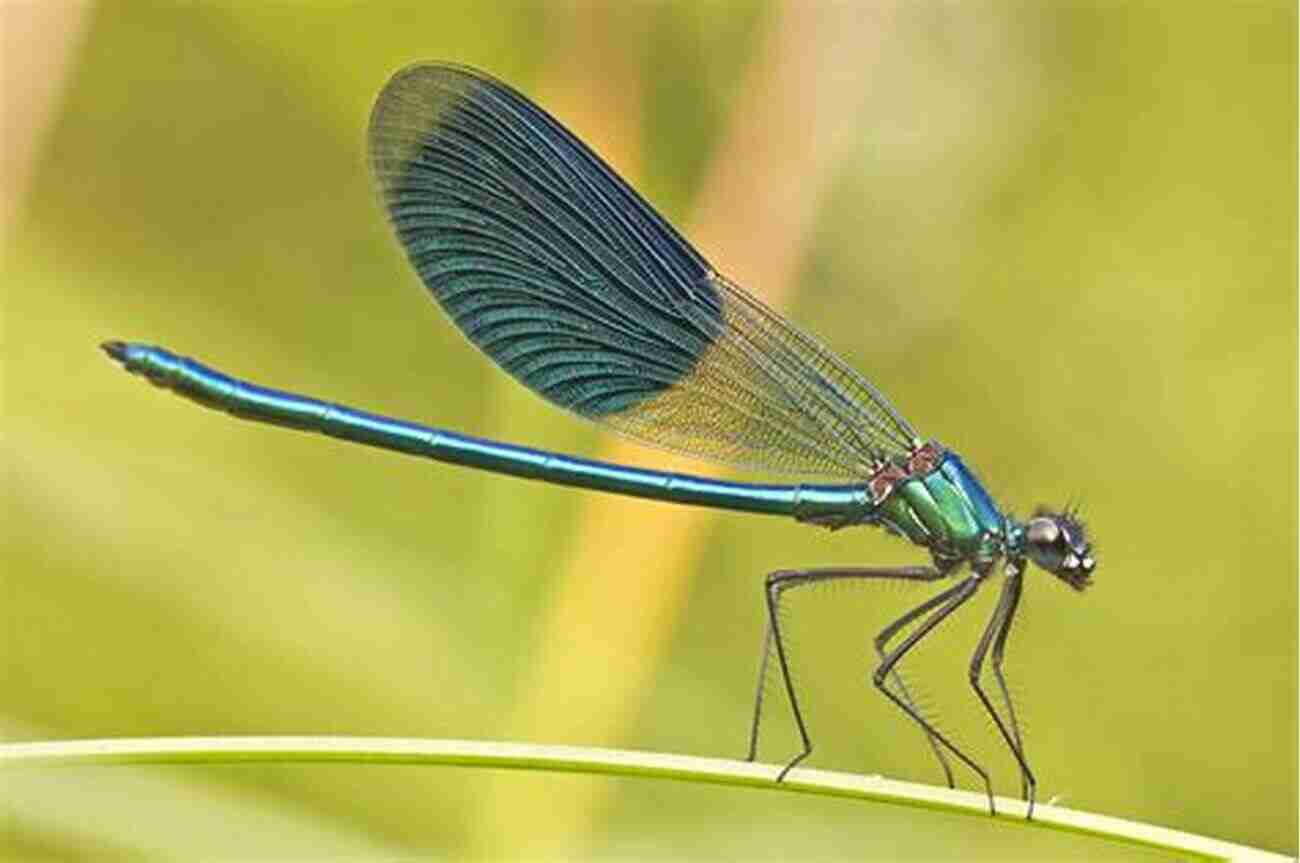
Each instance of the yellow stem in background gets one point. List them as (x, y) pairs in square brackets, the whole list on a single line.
[(619, 600), (40, 42)]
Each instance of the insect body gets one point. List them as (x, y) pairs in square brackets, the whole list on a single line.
[(575, 286)]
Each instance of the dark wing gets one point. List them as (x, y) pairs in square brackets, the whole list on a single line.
[(563, 275)]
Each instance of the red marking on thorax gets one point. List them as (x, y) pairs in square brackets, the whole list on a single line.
[(922, 461), (882, 482)]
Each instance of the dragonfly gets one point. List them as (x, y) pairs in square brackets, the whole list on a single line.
[(565, 277)]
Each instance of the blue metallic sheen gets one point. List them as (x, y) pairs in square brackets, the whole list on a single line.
[(830, 504), (986, 512)]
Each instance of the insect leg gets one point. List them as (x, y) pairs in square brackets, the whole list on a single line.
[(995, 633), (1027, 787), (783, 580), (948, 602)]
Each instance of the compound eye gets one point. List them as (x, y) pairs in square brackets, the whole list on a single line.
[(1043, 532)]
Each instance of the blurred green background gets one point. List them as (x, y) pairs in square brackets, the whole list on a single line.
[(1061, 237)]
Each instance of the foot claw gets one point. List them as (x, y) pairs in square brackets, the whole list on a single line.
[(800, 757)]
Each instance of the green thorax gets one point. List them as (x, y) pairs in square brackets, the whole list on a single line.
[(938, 503)]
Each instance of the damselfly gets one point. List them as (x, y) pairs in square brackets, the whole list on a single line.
[(566, 278)]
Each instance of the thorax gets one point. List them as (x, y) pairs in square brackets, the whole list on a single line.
[(938, 503)]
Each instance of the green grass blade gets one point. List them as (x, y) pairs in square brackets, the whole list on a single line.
[(610, 762)]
